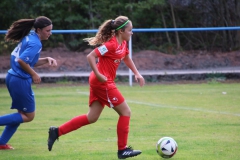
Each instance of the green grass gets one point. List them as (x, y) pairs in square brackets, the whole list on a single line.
[(204, 119)]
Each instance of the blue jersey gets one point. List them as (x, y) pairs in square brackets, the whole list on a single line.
[(27, 50)]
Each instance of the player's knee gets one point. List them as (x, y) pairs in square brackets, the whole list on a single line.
[(92, 119), (28, 117), (31, 118), (127, 113)]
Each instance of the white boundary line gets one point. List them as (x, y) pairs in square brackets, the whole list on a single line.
[(174, 107), (183, 108)]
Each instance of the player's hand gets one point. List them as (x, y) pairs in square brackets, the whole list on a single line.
[(101, 78), (52, 62), (36, 79), (140, 80)]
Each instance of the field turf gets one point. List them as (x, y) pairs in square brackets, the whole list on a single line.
[(204, 119)]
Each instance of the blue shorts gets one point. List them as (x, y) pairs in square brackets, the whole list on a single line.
[(21, 92)]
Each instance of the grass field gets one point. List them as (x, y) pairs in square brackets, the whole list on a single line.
[(204, 119)]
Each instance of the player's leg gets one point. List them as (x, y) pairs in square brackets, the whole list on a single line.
[(22, 95), (12, 122), (94, 112), (22, 99), (122, 131), (92, 116), (12, 84), (77, 122), (10, 119), (116, 99), (8, 132), (123, 124), (16, 118)]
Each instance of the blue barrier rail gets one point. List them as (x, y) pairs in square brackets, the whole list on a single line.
[(145, 30)]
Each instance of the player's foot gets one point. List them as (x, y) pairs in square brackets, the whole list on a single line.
[(5, 146), (52, 136), (128, 152)]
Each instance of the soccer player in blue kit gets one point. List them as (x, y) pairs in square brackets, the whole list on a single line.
[(21, 75)]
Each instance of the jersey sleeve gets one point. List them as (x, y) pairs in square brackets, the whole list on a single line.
[(104, 49), (30, 52)]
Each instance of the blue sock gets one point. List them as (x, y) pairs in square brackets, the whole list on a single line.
[(10, 119), (8, 133)]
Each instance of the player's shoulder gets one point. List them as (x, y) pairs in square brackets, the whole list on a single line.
[(111, 43), (33, 40)]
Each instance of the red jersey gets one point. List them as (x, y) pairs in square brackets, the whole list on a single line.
[(110, 55)]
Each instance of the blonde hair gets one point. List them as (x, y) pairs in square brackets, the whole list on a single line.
[(108, 29)]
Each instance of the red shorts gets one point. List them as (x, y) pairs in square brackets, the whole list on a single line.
[(111, 97)]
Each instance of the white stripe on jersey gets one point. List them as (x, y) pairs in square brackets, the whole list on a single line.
[(16, 51)]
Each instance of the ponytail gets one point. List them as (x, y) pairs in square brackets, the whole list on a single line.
[(19, 29), (22, 27), (107, 30)]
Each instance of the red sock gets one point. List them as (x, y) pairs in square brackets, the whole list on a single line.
[(73, 124), (122, 131)]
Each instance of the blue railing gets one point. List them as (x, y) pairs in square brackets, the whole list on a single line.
[(155, 30), (145, 30)]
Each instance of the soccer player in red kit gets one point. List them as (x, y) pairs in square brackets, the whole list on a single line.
[(112, 40)]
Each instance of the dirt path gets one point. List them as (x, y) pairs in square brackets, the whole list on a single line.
[(69, 61)]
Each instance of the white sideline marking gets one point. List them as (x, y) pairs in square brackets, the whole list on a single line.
[(83, 93), (183, 108), (175, 107)]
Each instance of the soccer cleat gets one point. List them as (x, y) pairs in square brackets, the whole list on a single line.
[(52, 136), (5, 146), (128, 152)]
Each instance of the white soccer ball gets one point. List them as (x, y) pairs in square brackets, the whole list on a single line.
[(166, 147)]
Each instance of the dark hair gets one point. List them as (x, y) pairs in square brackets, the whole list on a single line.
[(22, 27), (107, 30)]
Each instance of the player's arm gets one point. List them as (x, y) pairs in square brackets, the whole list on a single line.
[(91, 57), (138, 77), (26, 67), (49, 60)]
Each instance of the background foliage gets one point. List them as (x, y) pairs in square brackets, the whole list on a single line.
[(89, 14)]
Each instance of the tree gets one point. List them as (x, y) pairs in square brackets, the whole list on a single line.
[(89, 14)]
